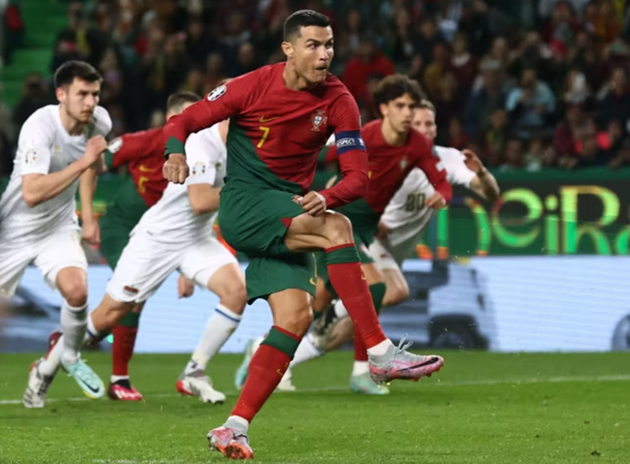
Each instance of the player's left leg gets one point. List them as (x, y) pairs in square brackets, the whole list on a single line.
[(212, 266), (292, 316), (64, 266), (123, 345)]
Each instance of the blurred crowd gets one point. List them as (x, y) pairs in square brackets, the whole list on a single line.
[(527, 84)]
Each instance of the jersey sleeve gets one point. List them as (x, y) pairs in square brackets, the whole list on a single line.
[(34, 144), (122, 150), (222, 103), (430, 163), (102, 121), (202, 159), (350, 150), (457, 172)]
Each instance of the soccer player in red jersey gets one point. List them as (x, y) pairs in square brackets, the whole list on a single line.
[(394, 149), (280, 118), (143, 154)]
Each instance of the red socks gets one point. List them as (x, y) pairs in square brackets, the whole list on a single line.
[(266, 369), (122, 349), (346, 277)]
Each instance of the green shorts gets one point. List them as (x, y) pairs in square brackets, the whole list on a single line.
[(114, 239), (255, 222)]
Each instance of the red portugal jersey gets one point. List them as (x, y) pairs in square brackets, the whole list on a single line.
[(277, 133)]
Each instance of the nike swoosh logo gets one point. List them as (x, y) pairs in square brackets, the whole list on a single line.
[(426, 363), (143, 168), (312, 281), (92, 389), (262, 119)]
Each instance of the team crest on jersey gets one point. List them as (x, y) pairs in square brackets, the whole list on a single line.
[(403, 164), (31, 156), (318, 119), (217, 93), (115, 145), (198, 169)]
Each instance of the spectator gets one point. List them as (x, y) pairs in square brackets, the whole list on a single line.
[(14, 30), (245, 59), (495, 138), (35, 94), (513, 156), (485, 101), (614, 97), (464, 65), (457, 138), (530, 105), (566, 133), (435, 72), (368, 60), (198, 44), (448, 104)]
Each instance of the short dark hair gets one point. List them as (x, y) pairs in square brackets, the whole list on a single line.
[(426, 105), (395, 86), (178, 99), (303, 18), (74, 69)]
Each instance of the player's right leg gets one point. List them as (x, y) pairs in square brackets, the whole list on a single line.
[(333, 233), (292, 317), (212, 266)]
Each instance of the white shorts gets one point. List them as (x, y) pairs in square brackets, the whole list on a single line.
[(145, 264), (387, 256), (60, 250)]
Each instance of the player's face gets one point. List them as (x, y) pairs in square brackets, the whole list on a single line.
[(399, 113), (424, 122), (312, 53), (80, 99)]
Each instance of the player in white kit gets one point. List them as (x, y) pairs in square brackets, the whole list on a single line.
[(402, 225), (176, 234), (38, 223)]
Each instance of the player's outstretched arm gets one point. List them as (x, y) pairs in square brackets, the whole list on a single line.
[(484, 183), (222, 103), (436, 174), (38, 187)]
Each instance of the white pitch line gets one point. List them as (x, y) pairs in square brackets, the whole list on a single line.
[(465, 383)]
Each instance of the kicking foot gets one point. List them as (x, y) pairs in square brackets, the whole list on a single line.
[(86, 378), (364, 384), (231, 443), (398, 363), (198, 384), (37, 387), (122, 390)]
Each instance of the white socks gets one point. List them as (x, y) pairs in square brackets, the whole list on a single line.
[(381, 348), (306, 350), (219, 327), (360, 368), (73, 327), (238, 423), (51, 363)]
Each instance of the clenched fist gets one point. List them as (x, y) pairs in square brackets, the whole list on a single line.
[(175, 169)]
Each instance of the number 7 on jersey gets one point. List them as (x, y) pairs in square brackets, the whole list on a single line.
[(264, 136)]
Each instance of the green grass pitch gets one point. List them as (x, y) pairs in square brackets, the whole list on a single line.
[(481, 408)]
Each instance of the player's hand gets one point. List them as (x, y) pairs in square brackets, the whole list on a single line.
[(473, 162), (185, 288), (383, 231), (95, 147), (436, 201), (314, 203), (175, 169), (91, 232)]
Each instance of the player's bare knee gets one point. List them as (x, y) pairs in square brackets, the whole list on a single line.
[(338, 229), (234, 296), (298, 321), (75, 293)]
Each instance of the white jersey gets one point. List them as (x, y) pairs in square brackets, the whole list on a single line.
[(45, 147), (406, 214), (171, 220)]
